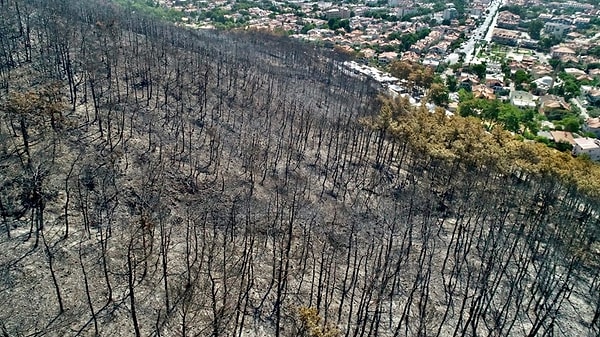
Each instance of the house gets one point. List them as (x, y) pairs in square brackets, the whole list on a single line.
[(440, 48), (547, 125), (482, 91), (545, 134), (569, 59), (507, 37), (345, 49), (402, 11), (552, 102), (577, 5), (432, 60), (477, 11), (589, 59), (419, 47), (508, 20), (589, 146), (595, 73), (560, 51), (594, 96), (592, 125), (541, 70), (522, 99), (494, 82), (411, 56), (367, 54), (544, 84), (528, 61), (493, 67), (574, 72), (582, 23), (318, 32), (584, 77), (574, 35), (337, 13), (556, 29), (529, 43), (563, 136), (562, 19), (387, 57), (467, 81)]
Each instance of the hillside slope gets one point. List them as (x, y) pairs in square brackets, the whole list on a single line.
[(164, 182)]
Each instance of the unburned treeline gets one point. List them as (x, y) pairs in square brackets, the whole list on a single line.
[(164, 182)]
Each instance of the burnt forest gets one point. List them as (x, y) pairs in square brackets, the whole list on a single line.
[(162, 181)]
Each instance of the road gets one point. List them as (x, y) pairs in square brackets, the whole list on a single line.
[(583, 111), (484, 31)]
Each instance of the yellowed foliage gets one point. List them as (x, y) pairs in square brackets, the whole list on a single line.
[(43, 105), (466, 140), (311, 322)]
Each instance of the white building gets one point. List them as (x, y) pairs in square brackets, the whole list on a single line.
[(556, 29), (406, 10), (337, 13), (450, 13), (589, 146), (544, 83), (522, 99)]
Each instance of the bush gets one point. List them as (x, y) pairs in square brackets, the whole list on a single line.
[(593, 112)]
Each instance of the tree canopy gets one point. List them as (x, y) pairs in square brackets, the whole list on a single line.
[(416, 73), (464, 139), (534, 28)]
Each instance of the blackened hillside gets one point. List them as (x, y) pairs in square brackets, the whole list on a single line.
[(164, 182)]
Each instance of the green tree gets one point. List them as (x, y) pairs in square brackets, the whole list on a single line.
[(547, 42), (307, 27), (534, 29), (593, 112), (562, 146), (571, 123), (533, 87), (518, 10), (464, 95), (422, 76), (439, 94), (521, 76), (505, 69), (571, 89), (408, 40), (335, 24), (490, 109), (594, 51), (555, 63), (510, 116), (467, 108), (479, 70), (452, 83)]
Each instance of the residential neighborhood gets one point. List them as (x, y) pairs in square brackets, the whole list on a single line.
[(541, 58)]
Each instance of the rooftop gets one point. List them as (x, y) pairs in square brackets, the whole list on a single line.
[(587, 143), (593, 123), (563, 136)]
